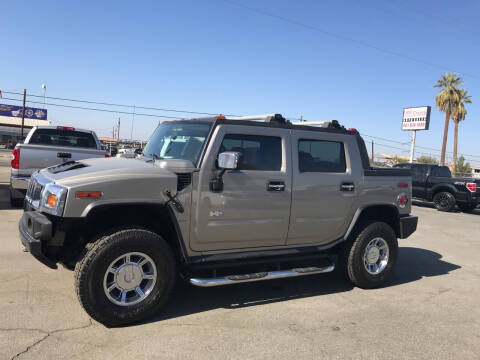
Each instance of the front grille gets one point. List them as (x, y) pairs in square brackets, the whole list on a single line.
[(183, 181), (34, 191)]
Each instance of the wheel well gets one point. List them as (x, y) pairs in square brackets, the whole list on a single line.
[(443, 189), (156, 218), (385, 213)]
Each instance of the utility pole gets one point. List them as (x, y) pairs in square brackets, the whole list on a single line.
[(412, 146), (301, 118), (23, 112), (118, 130), (133, 119), (373, 155)]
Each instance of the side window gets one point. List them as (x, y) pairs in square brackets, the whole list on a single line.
[(441, 171), (321, 156), (258, 152), (417, 172)]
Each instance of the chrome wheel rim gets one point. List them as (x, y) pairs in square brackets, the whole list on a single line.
[(375, 256), (130, 278)]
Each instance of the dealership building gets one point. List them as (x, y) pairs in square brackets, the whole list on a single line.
[(11, 122)]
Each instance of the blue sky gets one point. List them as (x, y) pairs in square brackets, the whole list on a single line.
[(213, 56)]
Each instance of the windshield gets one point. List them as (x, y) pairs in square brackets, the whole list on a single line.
[(178, 140)]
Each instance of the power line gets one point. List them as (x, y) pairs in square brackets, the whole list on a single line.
[(96, 109), (346, 38), (416, 146), (198, 113), (118, 105)]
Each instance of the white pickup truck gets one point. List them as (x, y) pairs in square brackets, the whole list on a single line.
[(45, 146)]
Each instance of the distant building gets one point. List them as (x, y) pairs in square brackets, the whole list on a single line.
[(11, 122), (476, 172)]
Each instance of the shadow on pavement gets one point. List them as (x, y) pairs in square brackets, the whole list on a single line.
[(430, 205), (413, 265)]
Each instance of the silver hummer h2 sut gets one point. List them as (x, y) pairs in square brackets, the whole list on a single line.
[(219, 201)]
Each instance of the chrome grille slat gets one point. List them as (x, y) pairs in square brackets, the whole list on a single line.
[(35, 187)]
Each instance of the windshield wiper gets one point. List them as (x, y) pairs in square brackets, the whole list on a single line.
[(154, 158)]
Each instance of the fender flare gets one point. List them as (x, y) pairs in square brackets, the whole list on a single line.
[(446, 187), (163, 205), (362, 209)]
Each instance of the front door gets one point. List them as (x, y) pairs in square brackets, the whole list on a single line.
[(253, 209)]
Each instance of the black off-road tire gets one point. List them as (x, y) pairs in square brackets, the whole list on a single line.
[(352, 256), (444, 201), (91, 268), (467, 207)]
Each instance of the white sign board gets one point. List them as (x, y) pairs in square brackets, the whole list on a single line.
[(416, 118)]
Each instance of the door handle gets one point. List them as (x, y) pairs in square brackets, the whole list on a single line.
[(347, 187), (276, 186)]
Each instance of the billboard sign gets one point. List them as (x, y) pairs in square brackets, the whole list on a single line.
[(416, 118), (16, 111)]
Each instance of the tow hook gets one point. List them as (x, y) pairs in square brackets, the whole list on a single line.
[(172, 199)]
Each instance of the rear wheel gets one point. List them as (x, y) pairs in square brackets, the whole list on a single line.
[(444, 201), (125, 277), (370, 259), (468, 207)]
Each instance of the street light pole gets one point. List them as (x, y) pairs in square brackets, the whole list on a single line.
[(23, 112)]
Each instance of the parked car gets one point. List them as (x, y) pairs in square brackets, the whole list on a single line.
[(126, 151), (435, 183), (46, 146), (219, 201)]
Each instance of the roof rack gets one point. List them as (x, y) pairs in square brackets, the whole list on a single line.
[(278, 118), (325, 124)]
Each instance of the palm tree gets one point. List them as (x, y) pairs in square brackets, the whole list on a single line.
[(458, 114), (446, 101)]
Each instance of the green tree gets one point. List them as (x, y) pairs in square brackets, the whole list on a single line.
[(463, 168), (446, 101), (458, 114), (427, 160), (399, 160)]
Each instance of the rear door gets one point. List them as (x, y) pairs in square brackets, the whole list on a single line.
[(419, 180), (253, 209), (323, 186)]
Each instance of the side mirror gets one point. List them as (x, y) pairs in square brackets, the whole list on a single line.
[(229, 160)]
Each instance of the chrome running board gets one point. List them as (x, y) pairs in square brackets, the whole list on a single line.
[(235, 279)]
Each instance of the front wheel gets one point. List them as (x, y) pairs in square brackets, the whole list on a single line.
[(125, 277), (370, 259)]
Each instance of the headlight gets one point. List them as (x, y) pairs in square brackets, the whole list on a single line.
[(53, 199)]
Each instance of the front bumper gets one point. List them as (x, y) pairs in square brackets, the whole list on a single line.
[(35, 228), (408, 225)]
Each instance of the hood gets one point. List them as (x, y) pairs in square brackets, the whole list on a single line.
[(103, 170)]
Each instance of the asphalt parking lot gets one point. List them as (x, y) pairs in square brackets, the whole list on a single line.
[(430, 310)]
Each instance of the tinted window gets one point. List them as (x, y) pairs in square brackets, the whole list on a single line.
[(258, 152), (321, 156), (441, 171), (58, 137), (418, 171)]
